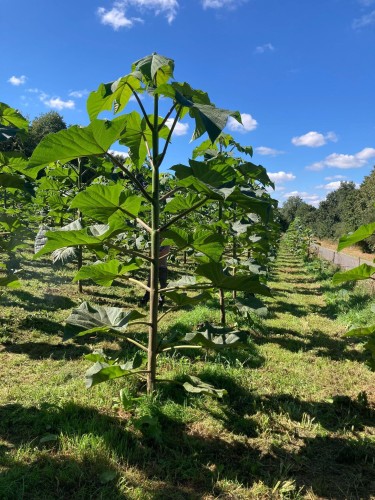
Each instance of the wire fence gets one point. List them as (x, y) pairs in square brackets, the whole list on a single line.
[(339, 259)]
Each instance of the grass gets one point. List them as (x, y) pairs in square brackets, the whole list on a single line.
[(297, 421)]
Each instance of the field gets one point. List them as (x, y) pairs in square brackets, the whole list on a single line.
[(297, 420)]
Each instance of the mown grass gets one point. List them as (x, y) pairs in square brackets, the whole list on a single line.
[(297, 420)]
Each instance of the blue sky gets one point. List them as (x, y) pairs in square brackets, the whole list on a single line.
[(301, 72)]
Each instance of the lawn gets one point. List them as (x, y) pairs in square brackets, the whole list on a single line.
[(298, 420)]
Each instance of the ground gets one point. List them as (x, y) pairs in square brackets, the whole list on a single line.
[(298, 419)]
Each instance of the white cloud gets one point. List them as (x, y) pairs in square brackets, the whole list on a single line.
[(281, 176), (261, 49), (365, 20), (331, 186), (219, 4), (334, 177), (248, 123), (57, 103), (264, 151), (338, 160), (314, 139), (78, 93), (17, 80), (117, 17), (180, 128)]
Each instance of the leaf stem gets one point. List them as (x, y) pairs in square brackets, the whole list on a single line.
[(131, 176), (139, 283)]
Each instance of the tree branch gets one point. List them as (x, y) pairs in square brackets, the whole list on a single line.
[(128, 251), (129, 174), (149, 124)]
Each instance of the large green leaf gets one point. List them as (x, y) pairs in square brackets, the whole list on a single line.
[(102, 371), (182, 202), (363, 331), (155, 69), (241, 282), (251, 305), (208, 118), (208, 242), (75, 142), (59, 239), (100, 202), (362, 272), (256, 173), (362, 233), (88, 319), (201, 187), (247, 200), (115, 94), (11, 118), (216, 174), (10, 281), (214, 337), (105, 273), (195, 385), (41, 237)]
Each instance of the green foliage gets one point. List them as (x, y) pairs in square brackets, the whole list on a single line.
[(137, 209)]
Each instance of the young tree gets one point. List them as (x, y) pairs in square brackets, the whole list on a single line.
[(133, 205)]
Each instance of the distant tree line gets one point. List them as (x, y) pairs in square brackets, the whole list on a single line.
[(343, 211), (41, 126)]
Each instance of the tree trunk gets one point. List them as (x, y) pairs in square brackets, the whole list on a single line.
[(155, 253)]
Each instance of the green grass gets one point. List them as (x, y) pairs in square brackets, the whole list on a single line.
[(298, 420)]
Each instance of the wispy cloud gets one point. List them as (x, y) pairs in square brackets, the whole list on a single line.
[(314, 139), (261, 49), (248, 124), (365, 20), (344, 161), (78, 94), (57, 103), (117, 17), (264, 151), (17, 80), (334, 177), (331, 186), (180, 128), (281, 176), (219, 4)]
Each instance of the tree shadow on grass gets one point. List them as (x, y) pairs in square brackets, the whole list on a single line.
[(188, 463), (46, 350), (321, 344), (30, 302)]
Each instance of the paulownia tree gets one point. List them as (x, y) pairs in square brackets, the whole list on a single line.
[(136, 205), (15, 189)]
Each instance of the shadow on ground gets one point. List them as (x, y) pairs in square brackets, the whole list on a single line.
[(187, 462)]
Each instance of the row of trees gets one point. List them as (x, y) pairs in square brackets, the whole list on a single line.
[(343, 211)]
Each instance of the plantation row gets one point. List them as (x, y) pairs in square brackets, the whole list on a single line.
[(290, 413), (114, 214)]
